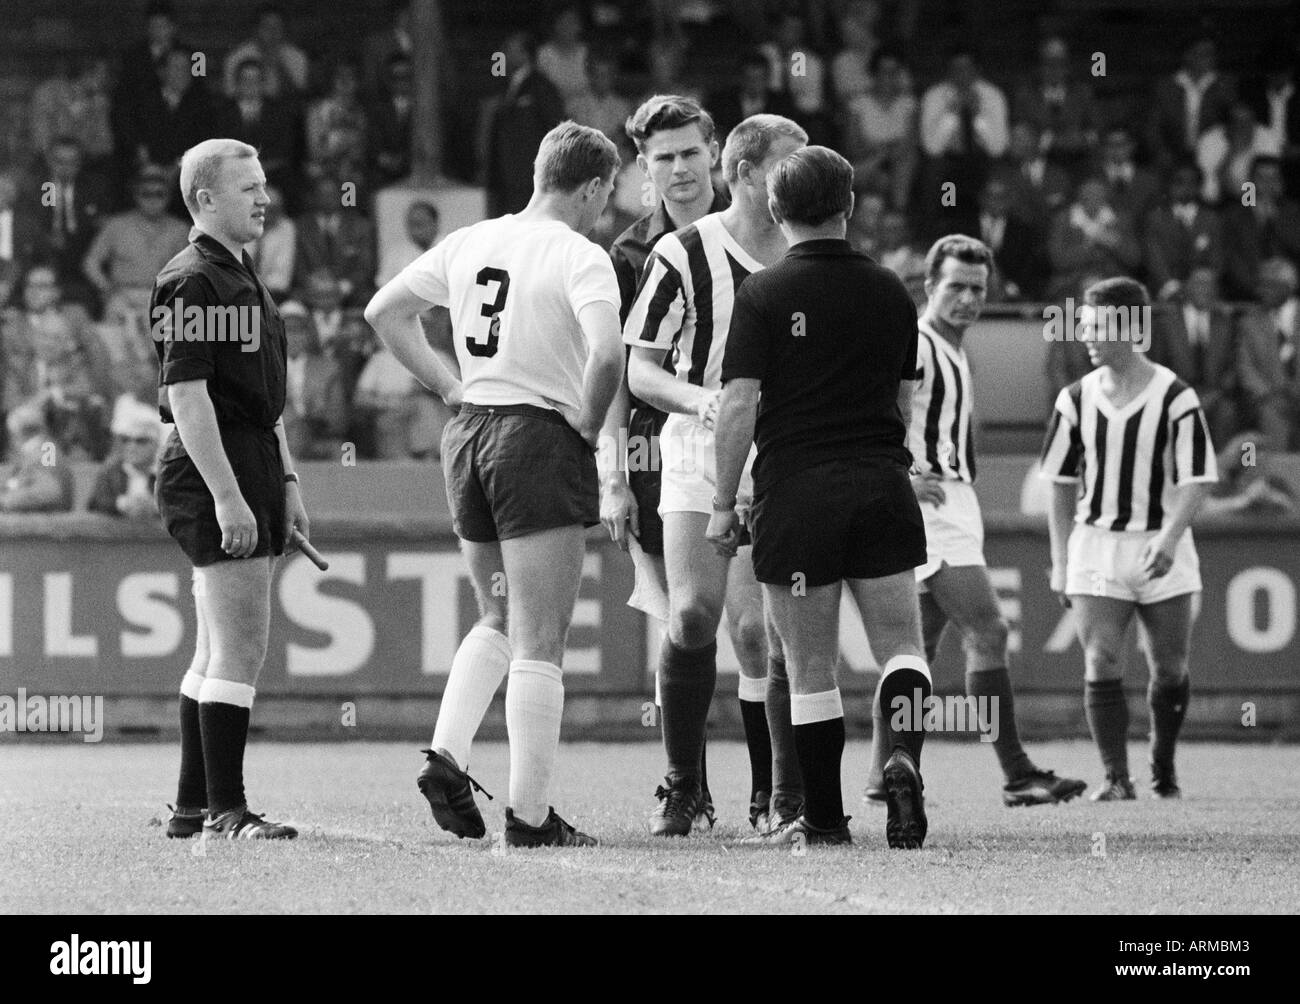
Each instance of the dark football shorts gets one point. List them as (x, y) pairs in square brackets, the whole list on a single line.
[(517, 469), (187, 507), (644, 482), (838, 520)]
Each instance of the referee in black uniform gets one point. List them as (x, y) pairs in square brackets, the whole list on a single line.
[(226, 488), (828, 338)]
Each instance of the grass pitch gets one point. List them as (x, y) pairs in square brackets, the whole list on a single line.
[(80, 833)]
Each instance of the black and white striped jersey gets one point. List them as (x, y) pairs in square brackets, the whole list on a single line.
[(686, 296), (1128, 459), (940, 434)]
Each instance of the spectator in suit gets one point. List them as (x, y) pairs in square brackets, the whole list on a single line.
[(335, 326), (1091, 236), (381, 45), (389, 124), (1267, 227), (275, 253), (750, 95), (864, 230), (601, 106), (515, 124), (1188, 102), (268, 123), (140, 80), (75, 102), (1268, 356), (1194, 337), (169, 119), (124, 484), (1275, 98), (1129, 188), (1060, 106), (336, 127), (1019, 248), (963, 130), (284, 65), (316, 412), (340, 242), (562, 59), (55, 362), (882, 132), (851, 72), (31, 484), (60, 221), (796, 71), (1039, 188), (1226, 152), (1181, 235)]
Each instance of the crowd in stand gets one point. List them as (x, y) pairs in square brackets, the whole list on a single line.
[(1194, 191)]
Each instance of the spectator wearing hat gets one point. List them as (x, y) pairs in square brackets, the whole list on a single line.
[(124, 485), (34, 481)]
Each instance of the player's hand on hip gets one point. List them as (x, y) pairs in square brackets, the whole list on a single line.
[(706, 410), (295, 515), (620, 513), (238, 527), (723, 532), (1157, 556), (929, 488), (455, 397), (1057, 579)]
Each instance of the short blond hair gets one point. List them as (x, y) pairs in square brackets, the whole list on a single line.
[(201, 167)]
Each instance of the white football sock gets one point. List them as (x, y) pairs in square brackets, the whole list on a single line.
[(534, 706), (479, 666)]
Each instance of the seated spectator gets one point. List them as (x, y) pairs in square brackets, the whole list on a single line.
[(268, 123), (394, 39), (1267, 349), (851, 72), (963, 129), (1275, 97), (336, 326), (1060, 106), (667, 57), (1268, 227), (1226, 152), (316, 411), (55, 362), (172, 117), (749, 96), (11, 249), (124, 484), (1067, 360), (1039, 188), (336, 127), (389, 123), (896, 250), (1091, 236), (562, 59), (284, 65), (275, 253), (36, 480), (1130, 189), (1182, 235), (126, 257), (1194, 337), (1243, 490), (1187, 102), (422, 224), (406, 419), (797, 72), (864, 230), (882, 132), (1019, 247), (601, 107), (338, 241), (74, 102), (143, 61), (58, 224)]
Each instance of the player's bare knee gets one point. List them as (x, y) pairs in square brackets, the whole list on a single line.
[(1101, 662), (749, 639), (1169, 669), (986, 640), (694, 625)]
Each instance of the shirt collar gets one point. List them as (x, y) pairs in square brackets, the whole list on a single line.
[(824, 245), (210, 247), (661, 223)]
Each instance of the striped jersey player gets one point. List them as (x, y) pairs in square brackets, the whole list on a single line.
[(1129, 452)]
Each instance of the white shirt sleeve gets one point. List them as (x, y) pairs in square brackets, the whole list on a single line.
[(426, 277), (589, 277)]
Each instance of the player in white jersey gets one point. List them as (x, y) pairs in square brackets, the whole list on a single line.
[(534, 309), (954, 581), (1129, 451), (684, 306)]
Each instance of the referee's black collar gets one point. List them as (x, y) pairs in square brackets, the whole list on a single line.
[(823, 245), (212, 247)]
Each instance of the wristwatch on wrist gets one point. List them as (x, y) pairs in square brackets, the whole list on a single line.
[(291, 476), (720, 507)]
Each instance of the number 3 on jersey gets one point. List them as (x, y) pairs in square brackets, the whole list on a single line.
[(492, 311)]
